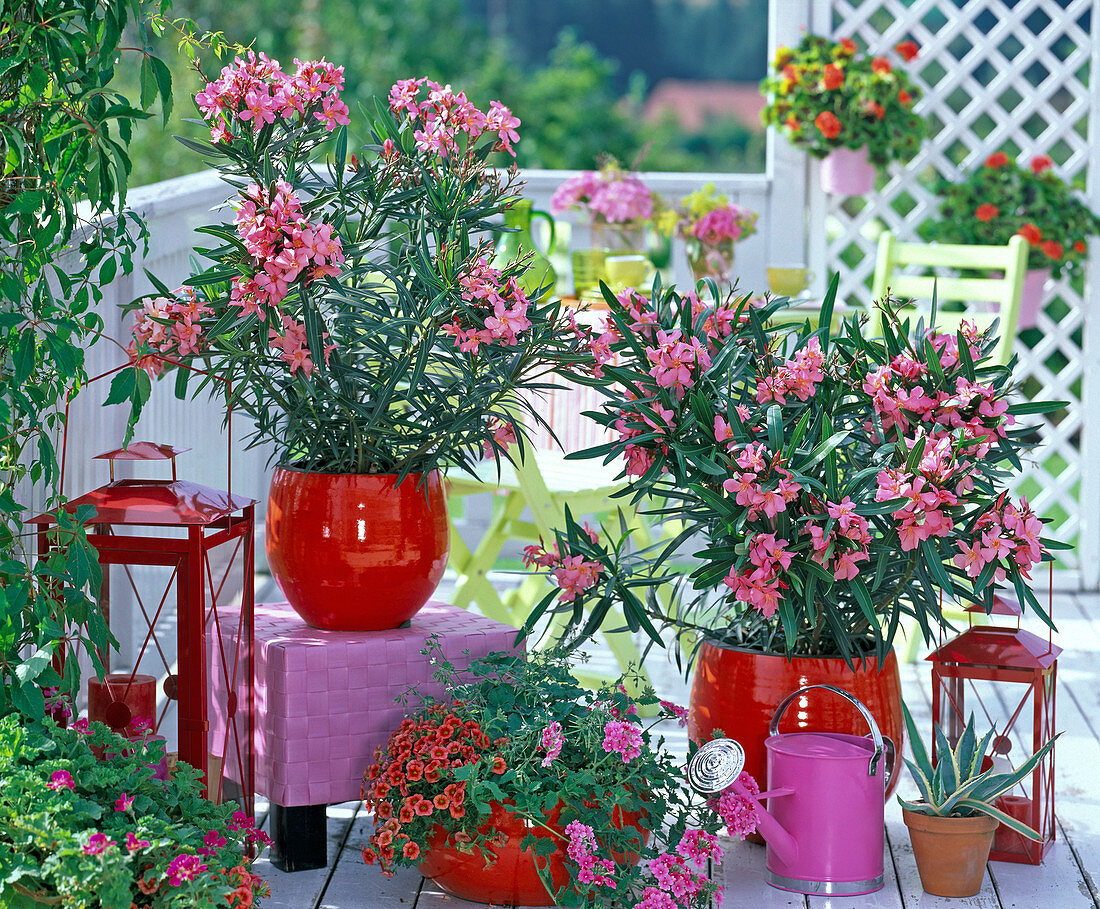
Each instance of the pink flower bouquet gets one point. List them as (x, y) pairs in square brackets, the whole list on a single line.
[(617, 202), (838, 482), (710, 225)]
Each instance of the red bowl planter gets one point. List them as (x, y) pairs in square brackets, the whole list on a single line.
[(510, 876), (737, 690), (354, 552)]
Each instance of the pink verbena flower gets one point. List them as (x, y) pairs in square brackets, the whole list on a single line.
[(680, 713), (582, 849), (698, 846), (624, 738), (656, 898), (737, 811), (552, 742)]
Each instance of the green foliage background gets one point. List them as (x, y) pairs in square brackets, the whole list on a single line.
[(554, 64)]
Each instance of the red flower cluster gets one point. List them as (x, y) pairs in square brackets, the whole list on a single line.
[(828, 123), (411, 779), (987, 211)]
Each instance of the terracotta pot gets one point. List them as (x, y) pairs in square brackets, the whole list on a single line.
[(737, 690), (951, 852), (354, 552), (509, 876), (845, 172)]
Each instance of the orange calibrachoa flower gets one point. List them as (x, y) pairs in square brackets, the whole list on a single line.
[(881, 66), (1040, 163), (1032, 234), (834, 76), (848, 46), (1052, 249), (997, 159), (987, 211), (907, 50), (904, 97), (828, 123)]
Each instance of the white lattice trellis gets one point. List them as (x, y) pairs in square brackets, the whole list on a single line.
[(995, 74)]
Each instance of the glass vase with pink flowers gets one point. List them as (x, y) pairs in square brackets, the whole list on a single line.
[(710, 225)]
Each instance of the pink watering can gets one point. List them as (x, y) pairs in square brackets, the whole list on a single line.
[(824, 821)]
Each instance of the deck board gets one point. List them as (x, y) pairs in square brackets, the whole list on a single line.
[(1064, 879)]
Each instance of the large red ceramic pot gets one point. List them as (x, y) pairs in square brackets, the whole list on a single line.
[(737, 691), (354, 552), (507, 874)]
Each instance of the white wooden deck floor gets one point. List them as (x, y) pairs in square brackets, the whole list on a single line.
[(1068, 879)]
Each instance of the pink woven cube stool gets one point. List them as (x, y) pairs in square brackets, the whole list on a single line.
[(325, 700)]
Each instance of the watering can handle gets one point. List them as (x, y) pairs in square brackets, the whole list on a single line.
[(535, 213), (876, 736)]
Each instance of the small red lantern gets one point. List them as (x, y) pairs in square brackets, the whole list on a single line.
[(984, 668), (176, 524)]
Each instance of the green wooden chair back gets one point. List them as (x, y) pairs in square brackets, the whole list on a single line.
[(1000, 291)]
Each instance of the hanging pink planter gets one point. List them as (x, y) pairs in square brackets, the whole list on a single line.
[(847, 173), (1031, 300)]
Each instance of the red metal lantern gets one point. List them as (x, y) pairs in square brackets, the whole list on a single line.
[(177, 524), (995, 671)]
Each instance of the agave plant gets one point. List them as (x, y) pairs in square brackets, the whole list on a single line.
[(956, 786)]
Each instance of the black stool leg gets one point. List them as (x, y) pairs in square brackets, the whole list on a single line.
[(300, 837)]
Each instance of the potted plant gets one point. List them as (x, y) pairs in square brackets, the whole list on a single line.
[(1000, 200), (523, 788), (619, 207), (710, 225), (951, 826), (829, 485), (76, 829), (351, 310), (853, 110)]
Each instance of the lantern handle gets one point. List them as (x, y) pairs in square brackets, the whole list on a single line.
[(133, 364), (876, 735)]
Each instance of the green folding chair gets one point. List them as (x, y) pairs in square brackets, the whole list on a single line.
[(541, 485), (999, 292)]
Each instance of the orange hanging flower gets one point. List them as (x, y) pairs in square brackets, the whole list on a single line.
[(1040, 163), (904, 97), (907, 50), (881, 66), (828, 123), (874, 109), (792, 124), (848, 46), (987, 211), (1031, 233), (997, 159), (1053, 249), (834, 76), (1080, 247)]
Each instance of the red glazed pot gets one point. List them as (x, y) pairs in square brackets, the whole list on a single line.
[(737, 690), (354, 552), (510, 876)]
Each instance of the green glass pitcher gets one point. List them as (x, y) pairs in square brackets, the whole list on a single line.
[(539, 279)]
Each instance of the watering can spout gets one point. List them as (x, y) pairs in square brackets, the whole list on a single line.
[(782, 843), (716, 767)]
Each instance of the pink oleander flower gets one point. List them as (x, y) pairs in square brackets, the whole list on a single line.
[(552, 742), (61, 779), (574, 575), (184, 868), (503, 433), (98, 843), (623, 738)]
